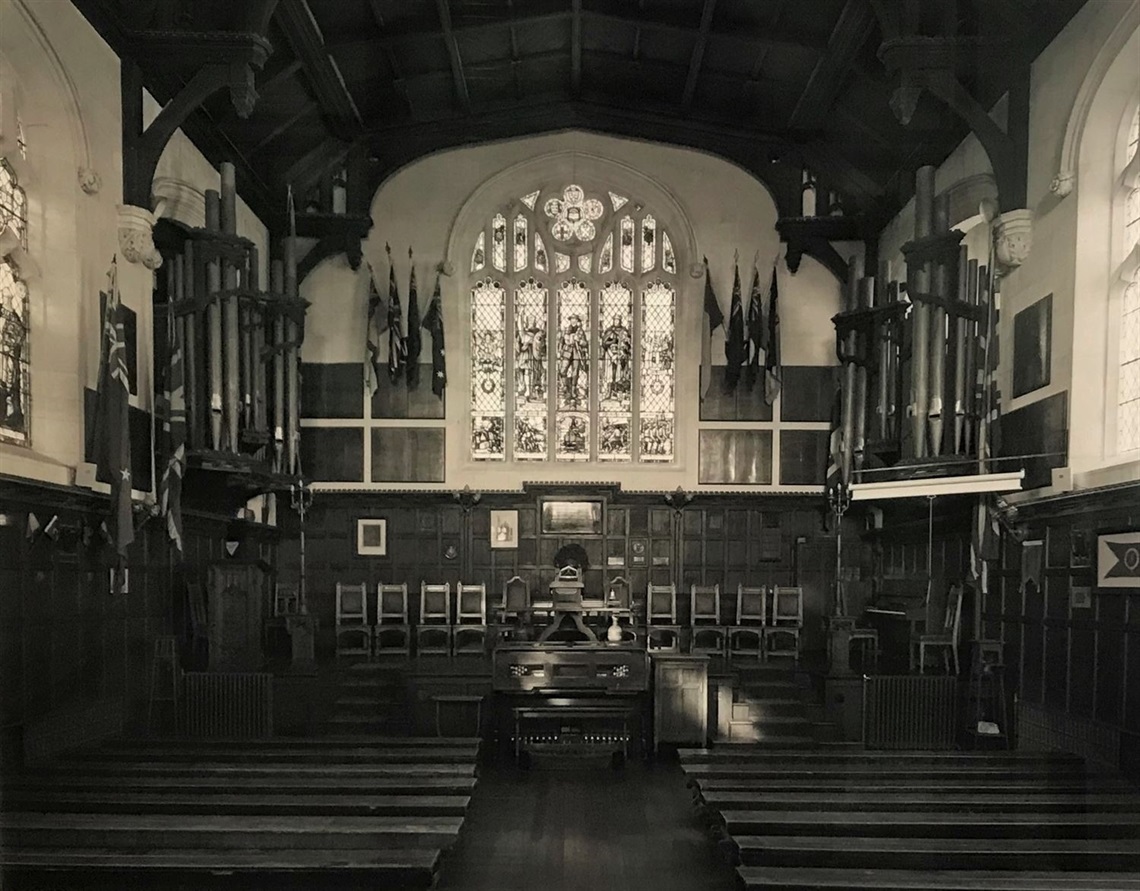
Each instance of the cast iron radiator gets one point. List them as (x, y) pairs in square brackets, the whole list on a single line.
[(227, 705), (910, 712)]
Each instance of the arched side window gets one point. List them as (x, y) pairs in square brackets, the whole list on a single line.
[(1128, 386), (15, 377), (573, 313)]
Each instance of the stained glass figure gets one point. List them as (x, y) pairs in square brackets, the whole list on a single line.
[(13, 202), (15, 381), (615, 373), (21, 139), (561, 262), (618, 201), (529, 200), (541, 264), (606, 258), (521, 247), (585, 262), (499, 242), (488, 371), (668, 258), (656, 433), (648, 244), (531, 393), (479, 255), (573, 369), (627, 243), (574, 215)]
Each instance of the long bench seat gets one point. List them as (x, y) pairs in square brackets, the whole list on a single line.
[(919, 801), (285, 783), (830, 879), (848, 852), (234, 802)]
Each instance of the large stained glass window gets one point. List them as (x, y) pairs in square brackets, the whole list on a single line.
[(15, 377), (584, 330)]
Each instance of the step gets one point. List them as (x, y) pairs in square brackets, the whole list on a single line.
[(363, 701), (269, 769), (875, 800), (225, 785), (842, 785), (349, 724), (292, 742), (743, 710), (772, 732), (840, 756), (828, 879), (344, 753)]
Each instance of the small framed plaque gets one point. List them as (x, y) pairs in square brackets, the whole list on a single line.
[(372, 537)]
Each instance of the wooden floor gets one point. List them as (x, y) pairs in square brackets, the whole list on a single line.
[(590, 830)]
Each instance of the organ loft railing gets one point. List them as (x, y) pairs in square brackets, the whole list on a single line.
[(240, 345)]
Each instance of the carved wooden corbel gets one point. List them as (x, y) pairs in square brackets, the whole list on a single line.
[(336, 233)]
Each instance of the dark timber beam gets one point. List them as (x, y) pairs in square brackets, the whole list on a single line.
[(576, 47), (305, 110), (851, 32), (308, 45), (698, 53), (453, 56)]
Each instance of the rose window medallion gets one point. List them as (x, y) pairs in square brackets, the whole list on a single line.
[(573, 215)]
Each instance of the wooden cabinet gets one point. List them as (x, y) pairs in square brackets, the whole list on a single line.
[(680, 699), (237, 595)]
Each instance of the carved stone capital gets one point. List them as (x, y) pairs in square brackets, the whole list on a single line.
[(136, 236), (89, 180), (1063, 183), (1013, 237)]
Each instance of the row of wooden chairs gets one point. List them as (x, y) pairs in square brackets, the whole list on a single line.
[(444, 625)]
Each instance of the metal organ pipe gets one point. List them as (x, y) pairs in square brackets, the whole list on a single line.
[(214, 324)]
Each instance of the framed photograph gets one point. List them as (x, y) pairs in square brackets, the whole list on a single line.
[(1118, 560), (572, 517), (504, 529), (372, 537), (637, 551)]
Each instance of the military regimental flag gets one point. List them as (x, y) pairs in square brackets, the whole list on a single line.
[(414, 342), (757, 334), (713, 319), (174, 427), (376, 325), (772, 372), (112, 431), (735, 349), (433, 321), (397, 343)]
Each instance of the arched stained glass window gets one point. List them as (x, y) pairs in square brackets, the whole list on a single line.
[(585, 335), (15, 377)]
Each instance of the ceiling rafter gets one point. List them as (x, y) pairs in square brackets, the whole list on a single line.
[(452, 44), (576, 47), (307, 42), (514, 52), (852, 30), (702, 41)]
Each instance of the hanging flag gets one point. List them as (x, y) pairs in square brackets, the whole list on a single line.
[(112, 431), (375, 326), (713, 319), (174, 427), (772, 373), (433, 321), (735, 350), (397, 344), (757, 334), (414, 342)]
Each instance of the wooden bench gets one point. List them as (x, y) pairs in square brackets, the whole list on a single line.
[(822, 878)]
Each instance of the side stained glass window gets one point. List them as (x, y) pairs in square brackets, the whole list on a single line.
[(15, 371), (572, 352), (488, 371), (1128, 386)]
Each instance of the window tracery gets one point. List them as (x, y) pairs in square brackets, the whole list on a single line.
[(15, 376), (1128, 385)]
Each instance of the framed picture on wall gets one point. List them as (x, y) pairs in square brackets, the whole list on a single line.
[(572, 517), (372, 537), (504, 529), (1118, 560)]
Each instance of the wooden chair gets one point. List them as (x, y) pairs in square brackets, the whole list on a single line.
[(782, 636), (620, 596), (286, 600), (662, 632), (393, 632), (945, 639), (866, 640), (433, 633), (516, 600), (751, 618), (469, 633), (352, 620), (709, 635)]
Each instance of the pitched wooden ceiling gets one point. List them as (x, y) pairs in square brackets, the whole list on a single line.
[(769, 84)]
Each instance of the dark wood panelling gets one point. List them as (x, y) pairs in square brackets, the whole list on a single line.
[(333, 454), (735, 457), (407, 454), (332, 390), (807, 393), (742, 403), (1040, 429), (803, 457), (397, 400)]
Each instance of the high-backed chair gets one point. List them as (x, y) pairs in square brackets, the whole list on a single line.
[(782, 634), (286, 600), (663, 632), (945, 639), (709, 635), (433, 633), (746, 637), (516, 600), (469, 633), (353, 633), (393, 631)]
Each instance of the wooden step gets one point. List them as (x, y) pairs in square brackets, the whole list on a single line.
[(340, 754), (285, 784), (865, 773), (933, 825), (922, 801), (235, 802), (763, 708), (293, 742), (874, 786), (62, 830), (837, 757), (1094, 855), (828, 879), (269, 768)]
